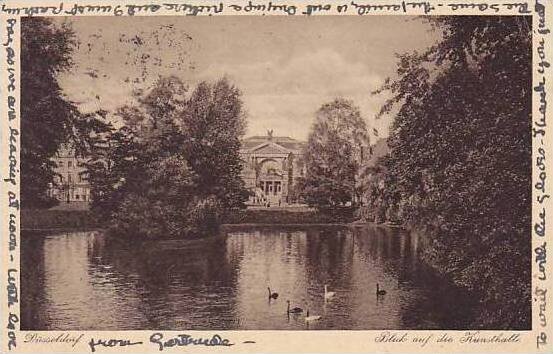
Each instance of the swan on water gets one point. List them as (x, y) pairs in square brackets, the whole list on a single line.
[(328, 294), (271, 294), (311, 318), (295, 309), (379, 291)]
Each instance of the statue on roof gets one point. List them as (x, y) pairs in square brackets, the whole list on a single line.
[(270, 134)]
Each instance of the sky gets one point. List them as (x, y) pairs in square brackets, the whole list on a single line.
[(286, 67)]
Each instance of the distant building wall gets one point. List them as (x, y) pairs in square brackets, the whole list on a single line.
[(71, 178), (271, 168)]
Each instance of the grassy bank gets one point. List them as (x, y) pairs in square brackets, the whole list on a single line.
[(39, 219)]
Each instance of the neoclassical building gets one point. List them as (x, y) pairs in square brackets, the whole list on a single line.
[(70, 182), (272, 166)]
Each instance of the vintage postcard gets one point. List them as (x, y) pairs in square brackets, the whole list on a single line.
[(275, 176)]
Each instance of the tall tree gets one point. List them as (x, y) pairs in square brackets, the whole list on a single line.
[(173, 168), (213, 124), (47, 118), (460, 158), (148, 133), (337, 145)]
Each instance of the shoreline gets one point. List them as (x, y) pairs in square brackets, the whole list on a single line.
[(228, 227), (62, 229), (51, 221)]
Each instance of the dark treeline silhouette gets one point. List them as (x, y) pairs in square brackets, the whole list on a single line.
[(459, 161), (48, 118)]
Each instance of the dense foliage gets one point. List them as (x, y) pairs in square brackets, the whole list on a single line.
[(47, 118), (460, 159), (335, 148), (172, 169), (167, 166)]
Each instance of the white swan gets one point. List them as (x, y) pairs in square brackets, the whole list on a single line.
[(328, 294), (379, 292), (311, 318)]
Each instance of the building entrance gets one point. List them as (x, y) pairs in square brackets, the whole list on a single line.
[(271, 191)]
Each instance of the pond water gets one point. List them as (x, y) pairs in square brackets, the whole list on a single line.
[(86, 281)]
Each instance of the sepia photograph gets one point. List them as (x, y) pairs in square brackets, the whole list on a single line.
[(276, 173)]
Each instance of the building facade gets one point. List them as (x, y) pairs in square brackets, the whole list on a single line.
[(70, 181), (272, 167)]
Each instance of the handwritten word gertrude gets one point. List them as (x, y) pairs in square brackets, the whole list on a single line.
[(110, 343), (185, 339)]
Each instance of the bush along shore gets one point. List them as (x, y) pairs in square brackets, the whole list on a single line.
[(45, 219), (283, 217)]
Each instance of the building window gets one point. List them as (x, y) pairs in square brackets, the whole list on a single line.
[(77, 196), (59, 163), (69, 178), (69, 163)]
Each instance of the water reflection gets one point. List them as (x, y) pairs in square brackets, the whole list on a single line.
[(84, 280)]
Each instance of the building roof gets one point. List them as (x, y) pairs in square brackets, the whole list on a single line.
[(262, 143), (284, 141)]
